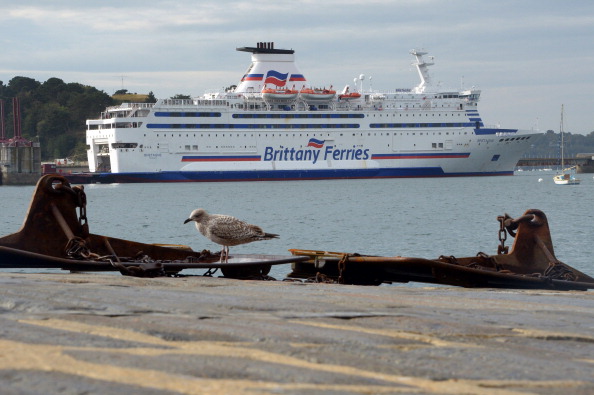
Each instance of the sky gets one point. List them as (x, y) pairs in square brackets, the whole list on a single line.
[(527, 56)]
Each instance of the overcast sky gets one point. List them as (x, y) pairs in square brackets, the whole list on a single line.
[(528, 57)]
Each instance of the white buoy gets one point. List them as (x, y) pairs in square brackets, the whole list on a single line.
[(540, 180)]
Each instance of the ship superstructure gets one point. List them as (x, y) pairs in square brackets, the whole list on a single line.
[(275, 126)]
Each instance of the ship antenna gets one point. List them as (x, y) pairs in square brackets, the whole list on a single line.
[(422, 69)]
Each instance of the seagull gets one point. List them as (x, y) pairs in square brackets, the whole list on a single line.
[(226, 230)]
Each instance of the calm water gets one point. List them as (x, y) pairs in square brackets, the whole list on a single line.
[(409, 217)]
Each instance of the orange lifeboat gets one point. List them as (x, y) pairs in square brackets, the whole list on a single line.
[(317, 95), (349, 96), (280, 94)]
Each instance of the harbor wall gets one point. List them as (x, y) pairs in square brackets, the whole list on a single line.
[(588, 165), (20, 164)]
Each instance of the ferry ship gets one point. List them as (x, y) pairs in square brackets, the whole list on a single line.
[(275, 125)]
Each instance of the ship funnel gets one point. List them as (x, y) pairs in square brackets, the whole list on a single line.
[(263, 45), (272, 68)]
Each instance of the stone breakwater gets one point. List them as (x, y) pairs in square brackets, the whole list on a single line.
[(95, 333)]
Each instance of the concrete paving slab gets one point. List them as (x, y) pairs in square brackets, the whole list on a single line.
[(76, 333)]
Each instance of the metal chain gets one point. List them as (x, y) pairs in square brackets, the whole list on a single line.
[(342, 268), (77, 248), (502, 249), (559, 271)]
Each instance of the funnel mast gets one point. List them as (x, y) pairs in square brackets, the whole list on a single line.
[(423, 70)]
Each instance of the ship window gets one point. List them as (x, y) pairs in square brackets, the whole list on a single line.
[(195, 147), (187, 147)]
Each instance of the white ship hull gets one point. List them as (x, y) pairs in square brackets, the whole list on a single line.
[(244, 136)]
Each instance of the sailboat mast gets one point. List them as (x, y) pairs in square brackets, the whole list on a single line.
[(562, 141)]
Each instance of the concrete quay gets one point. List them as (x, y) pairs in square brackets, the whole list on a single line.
[(80, 333)]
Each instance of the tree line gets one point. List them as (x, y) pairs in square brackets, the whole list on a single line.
[(54, 113), (549, 145)]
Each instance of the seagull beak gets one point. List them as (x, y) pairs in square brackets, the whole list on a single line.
[(188, 220)]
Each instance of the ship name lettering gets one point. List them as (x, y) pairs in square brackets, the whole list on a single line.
[(313, 155), (346, 154), (290, 154)]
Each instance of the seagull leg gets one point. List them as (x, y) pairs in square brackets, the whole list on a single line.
[(225, 254)]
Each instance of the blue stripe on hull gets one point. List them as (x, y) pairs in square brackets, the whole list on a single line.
[(276, 175)]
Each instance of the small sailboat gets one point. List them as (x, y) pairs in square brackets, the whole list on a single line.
[(567, 176)]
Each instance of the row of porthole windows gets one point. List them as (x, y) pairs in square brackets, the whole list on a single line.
[(246, 135), (195, 147), (515, 138), (328, 135), (414, 115)]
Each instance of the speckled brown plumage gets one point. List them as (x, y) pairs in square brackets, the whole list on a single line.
[(227, 230)]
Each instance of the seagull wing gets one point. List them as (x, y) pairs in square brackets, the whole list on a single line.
[(230, 228)]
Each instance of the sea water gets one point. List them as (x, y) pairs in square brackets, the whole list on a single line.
[(407, 217)]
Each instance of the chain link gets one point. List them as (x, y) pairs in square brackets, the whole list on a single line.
[(77, 248), (559, 271), (502, 249), (342, 268)]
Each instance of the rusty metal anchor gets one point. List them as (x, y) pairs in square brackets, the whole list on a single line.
[(533, 252), (530, 264), (55, 234)]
